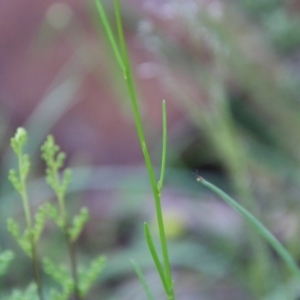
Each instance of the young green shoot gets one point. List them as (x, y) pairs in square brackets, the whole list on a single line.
[(18, 179), (83, 277), (54, 160), (163, 269)]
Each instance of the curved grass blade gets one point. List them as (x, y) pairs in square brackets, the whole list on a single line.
[(260, 228)]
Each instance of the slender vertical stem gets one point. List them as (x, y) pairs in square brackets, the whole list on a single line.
[(140, 131), (73, 263), (28, 217), (54, 160), (156, 187), (35, 267), (70, 244), (24, 195), (164, 147)]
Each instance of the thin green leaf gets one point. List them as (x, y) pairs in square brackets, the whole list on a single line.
[(5, 259), (260, 228), (164, 147), (155, 257)]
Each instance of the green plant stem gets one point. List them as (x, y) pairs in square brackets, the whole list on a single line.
[(35, 267), (28, 217), (260, 228), (24, 195), (155, 256), (54, 160), (156, 187), (70, 244), (140, 131), (73, 263), (164, 147)]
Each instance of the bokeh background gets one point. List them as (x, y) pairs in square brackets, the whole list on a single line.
[(229, 71)]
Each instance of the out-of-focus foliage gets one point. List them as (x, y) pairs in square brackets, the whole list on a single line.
[(279, 21), (230, 74)]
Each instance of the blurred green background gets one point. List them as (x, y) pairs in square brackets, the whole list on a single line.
[(230, 73)]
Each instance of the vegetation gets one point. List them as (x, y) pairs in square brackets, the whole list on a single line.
[(232, 107)]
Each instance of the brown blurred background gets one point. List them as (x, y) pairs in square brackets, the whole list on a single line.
[(229, 71)]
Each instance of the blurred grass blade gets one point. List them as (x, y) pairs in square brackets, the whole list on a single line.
[(285, 290), (120, 29), (54, 105), (110, 34), (260, 228), (142, 280)]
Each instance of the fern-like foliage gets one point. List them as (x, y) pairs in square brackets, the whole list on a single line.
[(5, 259), (18, 178), (80, 281), (78, 223), (23, 239), (61, 275), (40, 218), (72, 283), (30, 293), (90, 274), (33, 228), (54, 160)]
